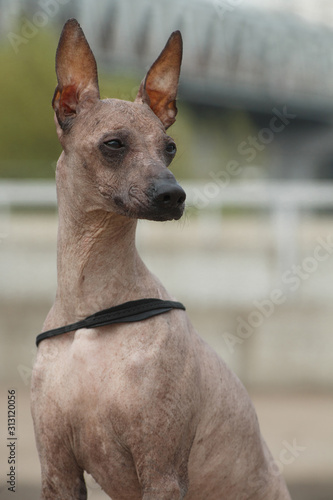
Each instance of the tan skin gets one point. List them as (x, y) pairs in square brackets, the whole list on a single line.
[(147, 408)]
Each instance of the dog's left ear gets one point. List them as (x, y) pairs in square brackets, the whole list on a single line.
[(76, 73), (159, 87)]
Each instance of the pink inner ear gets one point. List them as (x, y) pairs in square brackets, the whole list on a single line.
[(68, 100)]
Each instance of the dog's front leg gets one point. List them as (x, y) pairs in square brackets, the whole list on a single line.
[(159, 438), (169, 489), (162, 467), (167, 486), (66, 487), (163, 476)]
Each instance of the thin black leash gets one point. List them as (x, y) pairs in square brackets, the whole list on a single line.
[(128, 312)]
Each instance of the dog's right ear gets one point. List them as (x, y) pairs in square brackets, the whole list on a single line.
[(76, 73), (159, 87)]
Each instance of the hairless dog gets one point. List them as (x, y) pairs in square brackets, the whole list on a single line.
[(145, 406)]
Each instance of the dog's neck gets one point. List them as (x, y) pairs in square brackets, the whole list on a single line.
[(98, 265)]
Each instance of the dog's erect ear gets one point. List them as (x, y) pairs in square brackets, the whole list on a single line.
[(159, 88), (76, 72)]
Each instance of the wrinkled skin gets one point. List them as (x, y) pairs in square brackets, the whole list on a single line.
[(147, 408)]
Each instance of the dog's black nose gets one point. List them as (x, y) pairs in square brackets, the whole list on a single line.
[(169, 195)]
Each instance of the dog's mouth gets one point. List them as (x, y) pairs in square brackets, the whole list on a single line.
[(156, 205), (151, 211), (160, 215)]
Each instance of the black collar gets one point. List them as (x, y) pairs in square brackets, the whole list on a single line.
[(135, 310)]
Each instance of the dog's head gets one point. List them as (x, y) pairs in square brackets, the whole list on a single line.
[(117, 152)]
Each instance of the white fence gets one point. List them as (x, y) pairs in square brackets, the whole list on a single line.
[(284, 201), (27, 193), (200, 194)]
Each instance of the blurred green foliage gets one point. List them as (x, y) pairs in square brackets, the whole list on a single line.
[(29, 147)]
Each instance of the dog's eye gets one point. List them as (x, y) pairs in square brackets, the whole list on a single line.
[(114, 144), (171, 148)]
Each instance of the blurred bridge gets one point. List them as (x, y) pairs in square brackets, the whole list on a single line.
[(234, 53)]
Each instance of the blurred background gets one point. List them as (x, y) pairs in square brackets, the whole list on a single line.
[(252, 258)]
